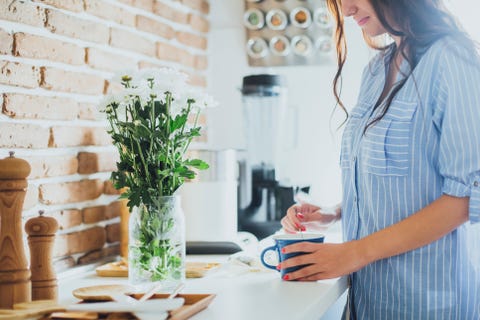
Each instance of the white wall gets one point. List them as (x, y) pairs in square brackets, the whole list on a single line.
[(314, 160), (467, 13)]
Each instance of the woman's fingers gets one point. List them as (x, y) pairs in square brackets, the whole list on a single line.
[(303, 246), (291, 222), (299, 214), (288, 225), (309, 270), (306, 208), (322, 260), (309, 273)]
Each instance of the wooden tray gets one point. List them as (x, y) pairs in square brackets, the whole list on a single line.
[(120, 269), (194, 303)]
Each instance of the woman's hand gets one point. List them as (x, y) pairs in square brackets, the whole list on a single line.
[(299, 214), (323, 260)]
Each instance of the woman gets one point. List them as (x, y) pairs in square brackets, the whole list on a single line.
[(410, 168)]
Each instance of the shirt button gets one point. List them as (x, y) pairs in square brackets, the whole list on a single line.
[(355, 199), (354, 159), (475, 184)]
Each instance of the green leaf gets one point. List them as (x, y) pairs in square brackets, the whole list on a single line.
[(194, 132), (178, 122), (184, 172), (197, 163)]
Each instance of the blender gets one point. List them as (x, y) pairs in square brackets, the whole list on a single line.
[(263, 198)]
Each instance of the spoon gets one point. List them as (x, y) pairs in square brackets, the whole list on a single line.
[(151, 292), (176, 291)]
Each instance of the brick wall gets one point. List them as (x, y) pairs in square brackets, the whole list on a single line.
[(55, 61)]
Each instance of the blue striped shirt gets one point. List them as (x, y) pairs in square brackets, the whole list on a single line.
[(427, 144)]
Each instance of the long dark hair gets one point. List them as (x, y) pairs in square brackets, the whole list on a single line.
[(419, 22)]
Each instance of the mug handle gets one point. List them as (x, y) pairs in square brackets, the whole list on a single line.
[(262, 257)]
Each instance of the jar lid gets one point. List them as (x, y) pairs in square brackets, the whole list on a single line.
[(324, 44), (279, 45), (301, 17), (302, 45), (277, 19), (323, 18), (12, 168), (257, 47), (253, 19)]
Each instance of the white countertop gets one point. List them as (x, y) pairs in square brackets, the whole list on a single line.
[(254, 295), (266, 296), (240, 295)]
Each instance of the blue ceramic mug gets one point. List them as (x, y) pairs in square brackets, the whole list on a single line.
[(283, 240)]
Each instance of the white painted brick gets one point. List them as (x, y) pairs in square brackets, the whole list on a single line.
[(23, 135), (22, 12), (19, 74), (24, 106), (37, 47)]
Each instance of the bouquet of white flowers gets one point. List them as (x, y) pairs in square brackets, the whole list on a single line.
[(152, 123), (149, 125)]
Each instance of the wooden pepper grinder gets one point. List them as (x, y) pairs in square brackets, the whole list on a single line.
[(41, 236), (14, 272)]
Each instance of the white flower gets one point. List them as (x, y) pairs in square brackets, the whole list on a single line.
[(142, 92), (177, 106), (200, 99), (121, 75), (209, 101), (148, 74), (147, 85), (138, 82), (118, 102), (106, 102), (170, 80)]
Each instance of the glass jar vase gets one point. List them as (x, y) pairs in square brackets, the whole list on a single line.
[(157, 243)]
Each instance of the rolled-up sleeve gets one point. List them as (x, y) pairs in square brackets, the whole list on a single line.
[(475, 200), (458, 117)]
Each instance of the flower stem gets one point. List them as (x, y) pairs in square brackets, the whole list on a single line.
[(190, 138)]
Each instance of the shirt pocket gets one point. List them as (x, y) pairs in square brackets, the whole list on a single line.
[(387, 144), (351, 128)]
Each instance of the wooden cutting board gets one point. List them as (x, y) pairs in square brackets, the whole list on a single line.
[(199, 269), (120, 269), (101, 292), (113, 269)]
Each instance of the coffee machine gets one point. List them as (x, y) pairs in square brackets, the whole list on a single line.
[(263, 197)]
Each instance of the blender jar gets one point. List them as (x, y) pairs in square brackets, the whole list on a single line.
[(264, 98)]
